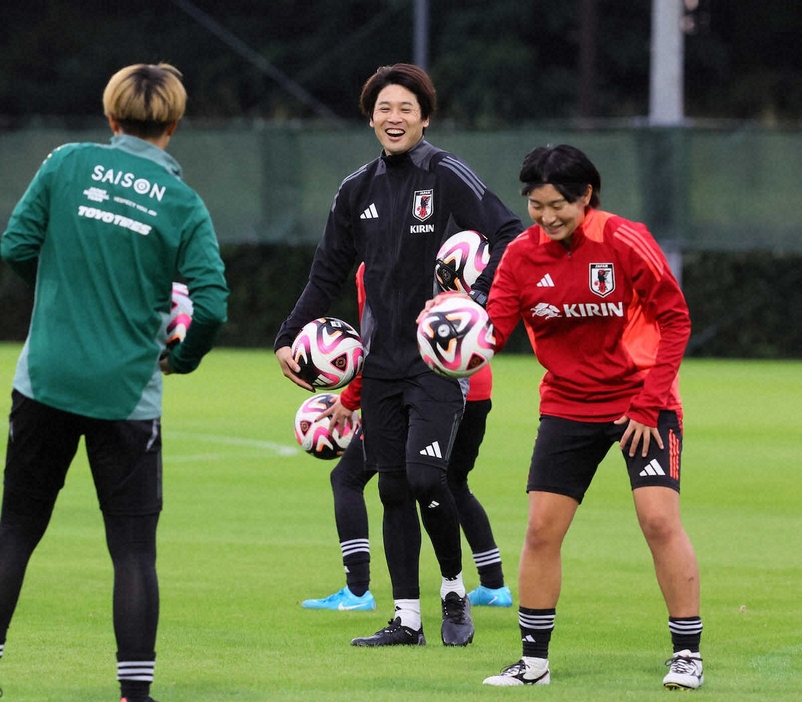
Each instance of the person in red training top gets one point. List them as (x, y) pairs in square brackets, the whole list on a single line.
[(350, 475), (607, 320)]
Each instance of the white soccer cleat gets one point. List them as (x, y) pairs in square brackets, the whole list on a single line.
[(529, 671), (685, 671)]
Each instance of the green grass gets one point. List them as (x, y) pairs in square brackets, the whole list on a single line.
[(248, 532)]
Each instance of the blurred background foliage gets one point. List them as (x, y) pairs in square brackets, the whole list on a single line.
[(497, 65)]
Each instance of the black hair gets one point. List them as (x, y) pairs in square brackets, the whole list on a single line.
[(407, 75), (565, 167)]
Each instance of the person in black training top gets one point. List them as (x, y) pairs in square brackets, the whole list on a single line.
[(350, 476), (393, 214)]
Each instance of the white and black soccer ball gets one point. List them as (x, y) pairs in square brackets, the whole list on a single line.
[(461, 260), (455, 337), (329, 352), (314, 435), (181, 310)]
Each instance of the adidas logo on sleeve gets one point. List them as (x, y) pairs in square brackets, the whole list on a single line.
[(370, 213)]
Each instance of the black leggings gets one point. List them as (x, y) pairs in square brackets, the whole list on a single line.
[(348, 480), (132, 546), (125, 458)]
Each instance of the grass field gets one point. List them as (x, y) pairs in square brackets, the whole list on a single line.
[(248, 532)]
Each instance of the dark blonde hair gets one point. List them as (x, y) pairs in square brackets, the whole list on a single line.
[(407, 75), (145, 98)]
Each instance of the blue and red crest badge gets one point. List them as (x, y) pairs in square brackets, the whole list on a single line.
[(423, 204), (602, 278)]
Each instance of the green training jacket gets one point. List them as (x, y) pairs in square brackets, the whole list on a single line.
[(102, 232)]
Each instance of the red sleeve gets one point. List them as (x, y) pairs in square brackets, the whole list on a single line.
[(360, 287), (503, 303), (351, 396), (481, 386), (664, 313)]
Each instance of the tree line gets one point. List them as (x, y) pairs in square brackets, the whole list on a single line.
[(495, 64)]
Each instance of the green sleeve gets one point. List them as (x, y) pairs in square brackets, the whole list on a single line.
[(201, 265), (22, 240), (186, 356)]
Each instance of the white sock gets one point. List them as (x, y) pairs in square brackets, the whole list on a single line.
[(452, 585), (409, 612)]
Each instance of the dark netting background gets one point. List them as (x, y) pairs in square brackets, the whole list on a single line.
[(720, 201)]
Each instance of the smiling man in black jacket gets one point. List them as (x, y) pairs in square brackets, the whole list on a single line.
[(393, 214)]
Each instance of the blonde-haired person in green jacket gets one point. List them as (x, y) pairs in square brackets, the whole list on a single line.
[(101, 233)]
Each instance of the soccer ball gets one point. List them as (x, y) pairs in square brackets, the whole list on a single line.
[(181, 310), (461, 260), (329, 352), (455, 337), (314, 435)]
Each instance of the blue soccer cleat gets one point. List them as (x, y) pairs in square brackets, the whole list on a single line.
[(491, 597), (344, 601)]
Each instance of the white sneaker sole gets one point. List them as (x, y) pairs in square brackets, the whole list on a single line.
[(509, 681), (690, 685)]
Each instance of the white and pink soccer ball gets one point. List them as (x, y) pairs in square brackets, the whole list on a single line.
[(461, 260), (455, 337), (181, 310), (329, 352), (314, 434)]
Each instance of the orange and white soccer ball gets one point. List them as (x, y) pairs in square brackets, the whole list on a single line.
[(329, 352), (455, 337), (181, 310), (461, 260), (314, 434)]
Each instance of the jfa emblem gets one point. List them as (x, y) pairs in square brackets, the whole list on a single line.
[(423, 204), (602, 278)]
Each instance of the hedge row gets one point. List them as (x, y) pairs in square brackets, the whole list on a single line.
[(743, 305)]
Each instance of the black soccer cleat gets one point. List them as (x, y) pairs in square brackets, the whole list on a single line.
[(457, 629), (394, 634)]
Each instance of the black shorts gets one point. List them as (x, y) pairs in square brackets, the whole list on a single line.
[(469, 438), (567, 454), (413, 420), (125, 457)]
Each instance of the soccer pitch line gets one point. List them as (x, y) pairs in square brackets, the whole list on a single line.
[(270, 447)]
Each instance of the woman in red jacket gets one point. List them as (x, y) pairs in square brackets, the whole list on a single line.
[(608, 322)]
